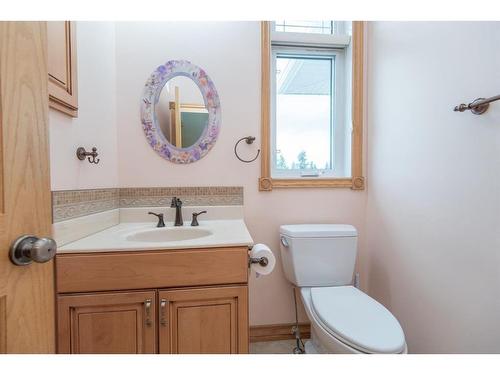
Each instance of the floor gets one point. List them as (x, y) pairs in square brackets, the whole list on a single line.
[(272, 347)]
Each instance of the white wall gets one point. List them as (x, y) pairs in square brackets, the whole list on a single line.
[(433, 223), (96, 122), (230, 54)]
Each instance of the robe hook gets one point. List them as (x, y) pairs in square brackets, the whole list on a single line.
[(81, 154)]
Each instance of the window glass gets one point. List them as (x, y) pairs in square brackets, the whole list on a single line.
[(304, 113), (315, 27)]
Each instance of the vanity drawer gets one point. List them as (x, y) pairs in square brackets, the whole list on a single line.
[(86, 272)]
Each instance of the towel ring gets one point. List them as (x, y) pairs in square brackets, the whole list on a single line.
[(249, 140)]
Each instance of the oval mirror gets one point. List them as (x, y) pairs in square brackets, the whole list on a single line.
[(180, 112)]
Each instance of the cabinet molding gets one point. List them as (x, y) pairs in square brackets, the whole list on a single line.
[(107, 323), (205, 320), (62, 66), (151, 269)]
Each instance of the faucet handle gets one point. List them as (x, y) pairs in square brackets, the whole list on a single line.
[(194, 222), (161, 223)]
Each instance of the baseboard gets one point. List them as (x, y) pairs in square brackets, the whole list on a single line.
[(275, 332)]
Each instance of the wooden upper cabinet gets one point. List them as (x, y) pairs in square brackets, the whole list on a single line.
[(206, 321), (62, 66), (107, 323)]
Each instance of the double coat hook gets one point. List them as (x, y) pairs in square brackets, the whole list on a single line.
[(81, 154)]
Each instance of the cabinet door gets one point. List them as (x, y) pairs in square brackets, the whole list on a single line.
[(107, 323), (202, 321), (61, 50)]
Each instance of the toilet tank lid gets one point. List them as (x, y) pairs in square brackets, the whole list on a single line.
[(318, 230)]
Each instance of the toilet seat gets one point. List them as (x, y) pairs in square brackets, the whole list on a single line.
[(357, 320)]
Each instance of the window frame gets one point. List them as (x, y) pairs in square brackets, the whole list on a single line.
[(357, 180)]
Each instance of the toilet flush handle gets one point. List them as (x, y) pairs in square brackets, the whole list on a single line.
[(284, 242)]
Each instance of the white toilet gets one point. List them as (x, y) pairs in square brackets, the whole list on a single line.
[(319, 259)]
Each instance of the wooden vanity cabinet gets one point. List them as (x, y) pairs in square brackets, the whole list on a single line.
[(169, 302), (61, 50)]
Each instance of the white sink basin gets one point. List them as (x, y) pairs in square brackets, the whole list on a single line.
[(168, 234)]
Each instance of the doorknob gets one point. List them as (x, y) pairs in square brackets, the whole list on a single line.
[(26, 249)]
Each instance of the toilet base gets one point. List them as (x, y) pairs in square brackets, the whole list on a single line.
[(310, 348), (323, 343)]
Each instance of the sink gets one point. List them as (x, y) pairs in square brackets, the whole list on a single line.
[(168, 234)]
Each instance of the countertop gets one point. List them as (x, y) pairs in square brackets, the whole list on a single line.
[(224, 233)]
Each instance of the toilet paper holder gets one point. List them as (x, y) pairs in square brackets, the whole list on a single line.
[(263, 261)]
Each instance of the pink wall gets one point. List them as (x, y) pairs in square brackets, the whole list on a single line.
[(230, 53), (114, 61), (96, 123), (433, 224), (428, 250)]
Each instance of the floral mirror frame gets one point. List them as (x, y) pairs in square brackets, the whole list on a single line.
[(150, 97)]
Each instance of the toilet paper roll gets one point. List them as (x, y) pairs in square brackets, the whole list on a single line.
[(258, 251)]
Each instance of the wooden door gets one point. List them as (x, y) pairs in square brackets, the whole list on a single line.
[(203, 321), (27, 323), (105, 323)]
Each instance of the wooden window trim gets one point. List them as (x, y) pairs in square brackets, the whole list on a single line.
[(357, 181)]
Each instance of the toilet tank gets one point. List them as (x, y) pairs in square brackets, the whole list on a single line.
[(318, 254)]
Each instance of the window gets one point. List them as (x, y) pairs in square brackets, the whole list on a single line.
[(316, 27), (311, 120)]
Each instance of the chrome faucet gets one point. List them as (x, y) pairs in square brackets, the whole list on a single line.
[(177, 204)]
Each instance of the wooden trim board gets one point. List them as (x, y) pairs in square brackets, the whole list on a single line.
[(3, 324), (275, 332)]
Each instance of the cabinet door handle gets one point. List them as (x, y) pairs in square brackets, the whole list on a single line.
[(147, 308), (163, 312)]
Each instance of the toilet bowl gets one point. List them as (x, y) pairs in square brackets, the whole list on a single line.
[(319, 259)]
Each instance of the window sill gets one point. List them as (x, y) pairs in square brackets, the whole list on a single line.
[(268, 184)]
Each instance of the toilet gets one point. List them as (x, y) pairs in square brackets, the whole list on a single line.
[(319, 259)]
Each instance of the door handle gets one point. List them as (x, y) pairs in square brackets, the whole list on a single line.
[(27, 249), (163, 305), (147, 308)]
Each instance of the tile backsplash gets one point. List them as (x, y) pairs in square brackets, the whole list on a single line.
[(69, 204)]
